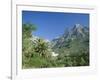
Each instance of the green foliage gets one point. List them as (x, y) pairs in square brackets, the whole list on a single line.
[(27, 47), (41, 47), (27, 30), (76, 54), (34, 55)]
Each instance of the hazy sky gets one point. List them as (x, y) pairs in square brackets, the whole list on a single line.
[(53, 24)]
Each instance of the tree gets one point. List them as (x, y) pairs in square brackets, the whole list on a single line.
[(42, 47), (27, 47), (27, 30)]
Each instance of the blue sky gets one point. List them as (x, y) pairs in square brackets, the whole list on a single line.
[(53, 24)]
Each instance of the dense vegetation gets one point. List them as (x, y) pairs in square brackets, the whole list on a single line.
[(37, 53), (75, 54)]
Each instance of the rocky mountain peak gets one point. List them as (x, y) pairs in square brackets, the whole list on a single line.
[(77, 27), (76, 32)]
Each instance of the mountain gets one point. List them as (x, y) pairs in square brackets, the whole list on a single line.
[(72, 41)]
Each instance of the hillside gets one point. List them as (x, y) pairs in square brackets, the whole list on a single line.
[(72, 40)]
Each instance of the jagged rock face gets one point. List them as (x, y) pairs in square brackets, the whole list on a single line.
[(77, 32)]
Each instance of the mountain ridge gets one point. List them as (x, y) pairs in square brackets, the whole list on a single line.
[(77, 34)]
